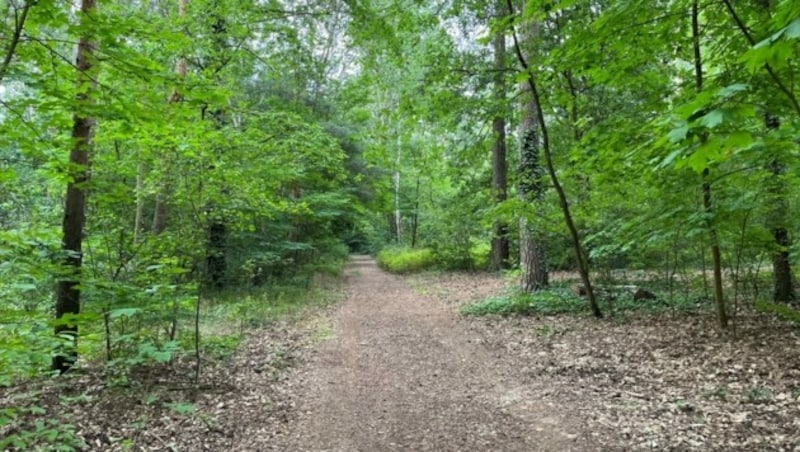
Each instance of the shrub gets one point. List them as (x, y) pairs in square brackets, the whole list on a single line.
[(515, 302), (480, 254), (405, 260)]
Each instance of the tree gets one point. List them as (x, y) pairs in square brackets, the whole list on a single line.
[(531, 188), (68, 291), (500, 252), (580, 256)]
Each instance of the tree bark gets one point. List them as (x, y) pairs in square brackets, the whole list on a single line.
[(777, 223), (160, 211), (415, 218), (716, 258), (532, 257), (583, 264), (500, 252), (68, 292), (217, 245), (19, 25), (398, 219)]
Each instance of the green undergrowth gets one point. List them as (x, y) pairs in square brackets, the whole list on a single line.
[(782, 311), (406, 260), (515, 302), (139, 343), (238, 311), (560, 299), (412, 260)]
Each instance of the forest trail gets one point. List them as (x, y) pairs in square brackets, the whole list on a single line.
[(401, 372)]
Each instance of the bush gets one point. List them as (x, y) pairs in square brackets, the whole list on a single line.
[(546, 302), (480, 255), (405, 260)]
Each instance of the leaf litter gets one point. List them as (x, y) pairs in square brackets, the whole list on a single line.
[(395, 368)]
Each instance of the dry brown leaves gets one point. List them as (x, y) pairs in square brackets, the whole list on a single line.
[(246, 397), (666, 382)]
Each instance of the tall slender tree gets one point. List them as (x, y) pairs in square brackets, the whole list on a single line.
[(68, 291), (532, 259), (708, 207), (580, 256), (500, 249)]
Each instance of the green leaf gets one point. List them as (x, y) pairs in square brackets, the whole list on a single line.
[(679, 134), (123, 312), (792, 31), (713, 118), (670, 158), (181, 408), (731, 90)]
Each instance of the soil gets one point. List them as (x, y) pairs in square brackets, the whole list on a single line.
[(404, 373), (394, 367)]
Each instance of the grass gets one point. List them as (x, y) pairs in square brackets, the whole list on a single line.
[(411, 260), (235, 311), (406, 260)]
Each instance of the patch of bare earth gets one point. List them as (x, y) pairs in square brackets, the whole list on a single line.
[(657, 382)]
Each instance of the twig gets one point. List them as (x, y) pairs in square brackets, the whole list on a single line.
[(19, 24)]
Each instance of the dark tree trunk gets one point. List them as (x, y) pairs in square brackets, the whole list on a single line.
[(415, 218), (782, 267), (532, 258), (68, 292), (777, 219), (500, 252), (716, 257), (392, 226), (160, 213), (216, 250), (20, 16), (215, 260), (580, 258)]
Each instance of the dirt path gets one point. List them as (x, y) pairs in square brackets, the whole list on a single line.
[(402, 373)]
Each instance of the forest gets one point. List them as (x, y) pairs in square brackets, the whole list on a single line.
[(180, 178)]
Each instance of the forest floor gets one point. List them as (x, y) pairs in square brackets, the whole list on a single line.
[(395, 367)]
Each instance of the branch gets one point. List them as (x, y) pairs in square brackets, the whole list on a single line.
[(19, 24), (743, 28)]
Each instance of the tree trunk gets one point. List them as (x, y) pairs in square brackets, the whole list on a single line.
[(398, 219), (500, 252), (777, 221), (160, 211), (138, 222), (215, 260), (217, 246), (19, 24), (68, 291), (583, 264), (716, 258), (415, 218), (532, 258)]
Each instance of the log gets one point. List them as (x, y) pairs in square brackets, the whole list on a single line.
[(637, 292)]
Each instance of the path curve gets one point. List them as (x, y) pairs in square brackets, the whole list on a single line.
[(401, 372)]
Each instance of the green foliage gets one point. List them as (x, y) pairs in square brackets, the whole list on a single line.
[(784, 312), (221, 347), (559, 299), (52, 432), (759, 394), (405, 260), (515, 302)]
